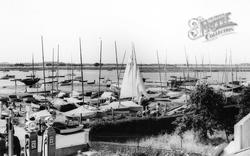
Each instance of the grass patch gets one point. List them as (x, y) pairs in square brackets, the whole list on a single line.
[(189, 144)]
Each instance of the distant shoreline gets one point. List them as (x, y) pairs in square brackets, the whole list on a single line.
[(143, 68)]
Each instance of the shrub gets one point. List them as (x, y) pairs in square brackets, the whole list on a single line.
[(130, 129)]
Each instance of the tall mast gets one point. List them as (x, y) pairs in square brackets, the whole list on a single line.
[(210, 67), (187, 64), (196, 67), (122, 61), (133, 45), (226, 72), (72, 75), (52, 72), (80, 44), (100, 69), (231, 65), (117, 72), (57, 74), (33, 70), (165, 68), (159, 69), (203, 67), (43, 66), (236, 72)]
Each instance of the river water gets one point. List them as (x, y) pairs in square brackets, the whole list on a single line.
[(91, 75)]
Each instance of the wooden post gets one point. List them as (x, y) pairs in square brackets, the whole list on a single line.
[(112, 112), (81, 118), (15, 86), (10, 136), (181, 141)]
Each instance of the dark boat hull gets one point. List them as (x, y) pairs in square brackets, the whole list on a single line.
[(29, 81)]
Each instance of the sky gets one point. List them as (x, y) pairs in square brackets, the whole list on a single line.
[(152, 25)]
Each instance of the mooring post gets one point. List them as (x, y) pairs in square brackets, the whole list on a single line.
[(10, 136), (81, 118)]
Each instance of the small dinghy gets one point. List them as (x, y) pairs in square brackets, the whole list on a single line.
[(62, 128), (6, 77), (93, 82)]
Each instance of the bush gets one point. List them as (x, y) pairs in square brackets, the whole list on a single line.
[(208, 113), (130, 129), (244, 104), (139, 154)]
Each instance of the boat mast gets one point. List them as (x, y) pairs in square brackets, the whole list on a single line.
[(231, 65), (72, 75), (159, 67), (165, 69), (117, 72), (134, 53), (196, 69), (122, 62), (203, 74), (236, 72), (210, 67), (43, 67), (226, 74), (52, 73), (33, 70), (134, 62), (80, 44), (187, 64), (100, 69), (57, 74)]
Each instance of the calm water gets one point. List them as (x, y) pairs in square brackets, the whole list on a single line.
[(91, 75)]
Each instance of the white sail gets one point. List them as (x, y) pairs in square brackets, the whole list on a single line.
[(132, 84)]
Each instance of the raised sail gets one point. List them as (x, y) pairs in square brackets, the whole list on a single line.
[(132, 84)]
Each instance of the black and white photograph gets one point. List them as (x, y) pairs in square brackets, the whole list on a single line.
[(124, 78)]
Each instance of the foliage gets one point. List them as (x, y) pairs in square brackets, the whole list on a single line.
[(130, 129), (206, 107), (244, 103)]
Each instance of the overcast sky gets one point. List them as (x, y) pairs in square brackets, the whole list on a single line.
[(151, 24)]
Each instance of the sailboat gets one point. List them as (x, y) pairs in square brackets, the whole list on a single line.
[(132, 88), (32, 79), (132, 84)]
